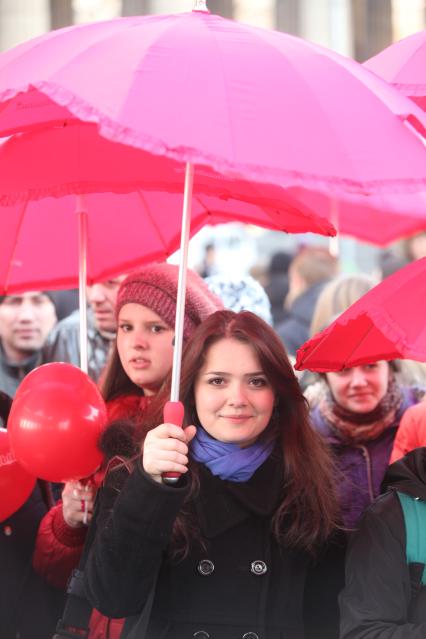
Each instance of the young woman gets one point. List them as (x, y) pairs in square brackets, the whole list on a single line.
[(358, 417), (227, 551), (141, 360)]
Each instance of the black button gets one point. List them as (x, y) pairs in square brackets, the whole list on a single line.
[(205, 568), (250, 635), (201, 634), (258, 567)]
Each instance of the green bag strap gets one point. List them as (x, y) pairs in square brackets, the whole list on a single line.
[(415, 525)]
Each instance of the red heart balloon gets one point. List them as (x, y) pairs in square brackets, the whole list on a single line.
[(55, 421), (16, 484)]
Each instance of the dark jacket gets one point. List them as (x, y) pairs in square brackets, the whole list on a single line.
[(59, 547), (277, 290), (382, 598), (360, 469), (63, 344), (29, 608), (12, 374), (294, 330), (241, 582)]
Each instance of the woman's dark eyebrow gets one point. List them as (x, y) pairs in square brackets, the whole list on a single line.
[(227, 373)]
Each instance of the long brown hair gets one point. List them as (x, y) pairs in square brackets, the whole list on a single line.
[(307, 513)]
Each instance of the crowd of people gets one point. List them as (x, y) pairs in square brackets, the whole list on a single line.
[(298, 506)]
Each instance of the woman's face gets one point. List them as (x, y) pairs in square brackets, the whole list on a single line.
[(233, 398), (361, 388), (144, 344)]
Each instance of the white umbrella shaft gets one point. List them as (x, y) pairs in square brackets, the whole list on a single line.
[(82, 278), (333, 242), (181, 292)]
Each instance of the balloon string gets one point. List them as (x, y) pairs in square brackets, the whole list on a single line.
[(86, 512)]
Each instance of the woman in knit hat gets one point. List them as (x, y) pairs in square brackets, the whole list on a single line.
[(140, 363), (146, 311)]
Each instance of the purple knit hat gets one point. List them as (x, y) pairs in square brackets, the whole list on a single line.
[(155, 286)]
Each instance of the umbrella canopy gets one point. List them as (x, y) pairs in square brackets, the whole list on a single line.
[(133, 202), (378, 219), (387, 323), (403, 64), (192, 87)]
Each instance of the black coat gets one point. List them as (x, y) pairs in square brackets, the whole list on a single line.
[(381, 599), (294, 329), (29, 608), (241, 582)]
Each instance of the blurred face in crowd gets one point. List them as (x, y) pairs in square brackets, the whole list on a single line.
[(233, 397), (25, 322), (102, 298), (145, 346), (417, 246), (360, 389)]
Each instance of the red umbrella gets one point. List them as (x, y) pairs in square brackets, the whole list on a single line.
[(378, 219), (131, 212), (133, 202), (387, 323), (403, 65)]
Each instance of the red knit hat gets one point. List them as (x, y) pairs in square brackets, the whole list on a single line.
[(155, 286)]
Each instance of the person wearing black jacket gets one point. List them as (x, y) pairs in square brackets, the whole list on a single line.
[(383, 597), (232, 549), (29, 608)]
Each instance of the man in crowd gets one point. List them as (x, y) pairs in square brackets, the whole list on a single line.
[(28, 607), (63, 344), (308, 273), (26, 319)]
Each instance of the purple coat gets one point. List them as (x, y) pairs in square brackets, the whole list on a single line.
[(360, 468)]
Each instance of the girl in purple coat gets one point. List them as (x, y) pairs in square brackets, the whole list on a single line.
[(358, 416)]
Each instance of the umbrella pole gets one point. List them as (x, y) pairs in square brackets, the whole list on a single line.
[(181, 292), (81, 211), (333, 242), (173, 410)]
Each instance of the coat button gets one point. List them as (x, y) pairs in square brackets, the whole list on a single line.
[(250, 635), (7, 531), (201, 634), (258, 567), (205, 568)]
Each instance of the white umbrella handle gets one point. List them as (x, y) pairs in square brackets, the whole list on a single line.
[(82, 278), (181, 291), (173, 410)]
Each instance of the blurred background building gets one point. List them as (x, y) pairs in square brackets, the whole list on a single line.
[(359, 28), (356, 28)]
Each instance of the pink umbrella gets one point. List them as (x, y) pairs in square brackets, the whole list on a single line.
[(403, 65), (193, 87), (386, 323)]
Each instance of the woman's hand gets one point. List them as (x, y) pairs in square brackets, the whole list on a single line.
[(77, 503), (166, 450)]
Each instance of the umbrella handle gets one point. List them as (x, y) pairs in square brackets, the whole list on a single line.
[(173, 414)]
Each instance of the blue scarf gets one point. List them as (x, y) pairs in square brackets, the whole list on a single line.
[(229, 461)]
